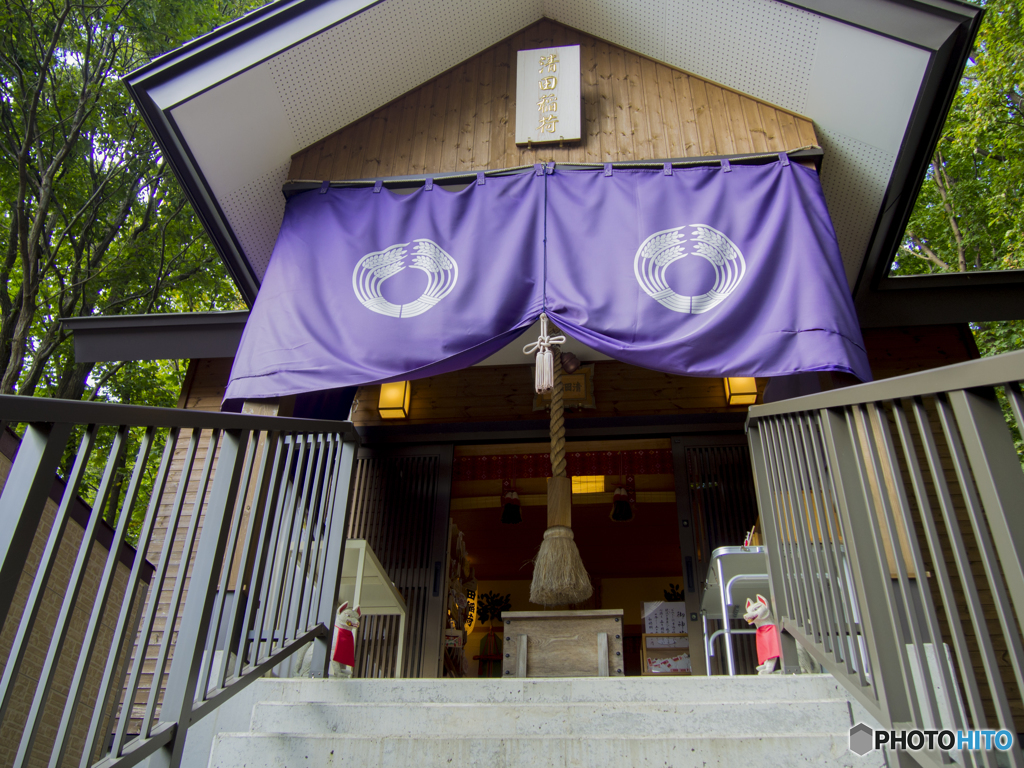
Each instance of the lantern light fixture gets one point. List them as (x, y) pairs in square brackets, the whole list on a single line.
[(394, 400), (741, 390)]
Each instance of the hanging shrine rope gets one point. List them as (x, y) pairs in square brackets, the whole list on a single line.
[(559, 577)]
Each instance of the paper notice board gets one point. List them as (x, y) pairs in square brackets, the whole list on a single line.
[(666, 642)]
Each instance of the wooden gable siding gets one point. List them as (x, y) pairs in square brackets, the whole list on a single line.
[(635, 108)]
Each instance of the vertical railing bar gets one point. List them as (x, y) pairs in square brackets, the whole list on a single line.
[(324, 474), (332, 476), (335, 536), (851, 598), (330, 510), (842, 621), (284, 490), (799, 439), (290, 561), (786, 539), (842, 443), (811, 561), (180, 697), (117, 683), (253, 617), (903, 577), (60, 631), (179, 584), (303, 527), (278, 573), (960, 559), (121, 629), (934, 546), (99, 606), (388, 667), (869, 473), (302, 578), (792, 556), (871, 468), (995, 581), (270, 567), (769, 517), (157, 587), (793, 553), (254, 519), (826, 560), (19, 645), (25, 494), (994, 489), (307, 575), (998, 482), (803, 545), (1013, 394), (237, 513)]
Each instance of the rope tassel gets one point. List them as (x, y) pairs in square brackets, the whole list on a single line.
[(559, 577), (544, 380)]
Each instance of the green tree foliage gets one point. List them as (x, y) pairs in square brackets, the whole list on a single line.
[(968, 215), (94, 222)]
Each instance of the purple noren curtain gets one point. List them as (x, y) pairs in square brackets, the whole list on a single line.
[(730, 271)]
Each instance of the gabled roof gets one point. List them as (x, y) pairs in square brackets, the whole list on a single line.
[(876, 76)]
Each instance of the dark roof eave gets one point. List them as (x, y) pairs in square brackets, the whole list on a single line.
[(157, 337)]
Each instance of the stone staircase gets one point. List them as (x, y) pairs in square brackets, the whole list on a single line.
[(777, 721)]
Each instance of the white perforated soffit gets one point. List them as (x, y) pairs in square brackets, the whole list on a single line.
[(857, 86)]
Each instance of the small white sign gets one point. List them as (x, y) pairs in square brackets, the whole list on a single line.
[(548, 95), (665, 618)]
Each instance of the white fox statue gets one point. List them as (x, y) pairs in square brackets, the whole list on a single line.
[(769, 648), (343, 656)]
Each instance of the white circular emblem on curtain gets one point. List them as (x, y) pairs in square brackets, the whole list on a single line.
[(659, 250), (374, 268)]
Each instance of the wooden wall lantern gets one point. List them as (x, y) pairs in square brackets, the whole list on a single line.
[(394, 400), (741, 390)]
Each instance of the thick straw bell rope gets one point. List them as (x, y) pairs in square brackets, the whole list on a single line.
[(559, 577)]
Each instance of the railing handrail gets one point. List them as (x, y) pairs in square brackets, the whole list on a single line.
[(985, 372), (19, 408)]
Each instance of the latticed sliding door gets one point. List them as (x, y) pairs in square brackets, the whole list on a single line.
[(717, 506), (400, 506)]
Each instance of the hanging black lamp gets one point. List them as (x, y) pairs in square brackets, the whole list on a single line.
[(511, 513)]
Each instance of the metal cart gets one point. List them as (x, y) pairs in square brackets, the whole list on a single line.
[(734, 575)]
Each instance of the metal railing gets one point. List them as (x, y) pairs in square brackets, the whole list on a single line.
[(243, 518), (893, 515)]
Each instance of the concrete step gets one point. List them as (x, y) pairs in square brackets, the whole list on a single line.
[(582, 720), (765, 751), (697, 690)]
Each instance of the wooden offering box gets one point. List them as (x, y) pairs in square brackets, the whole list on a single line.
[(563, 643)]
